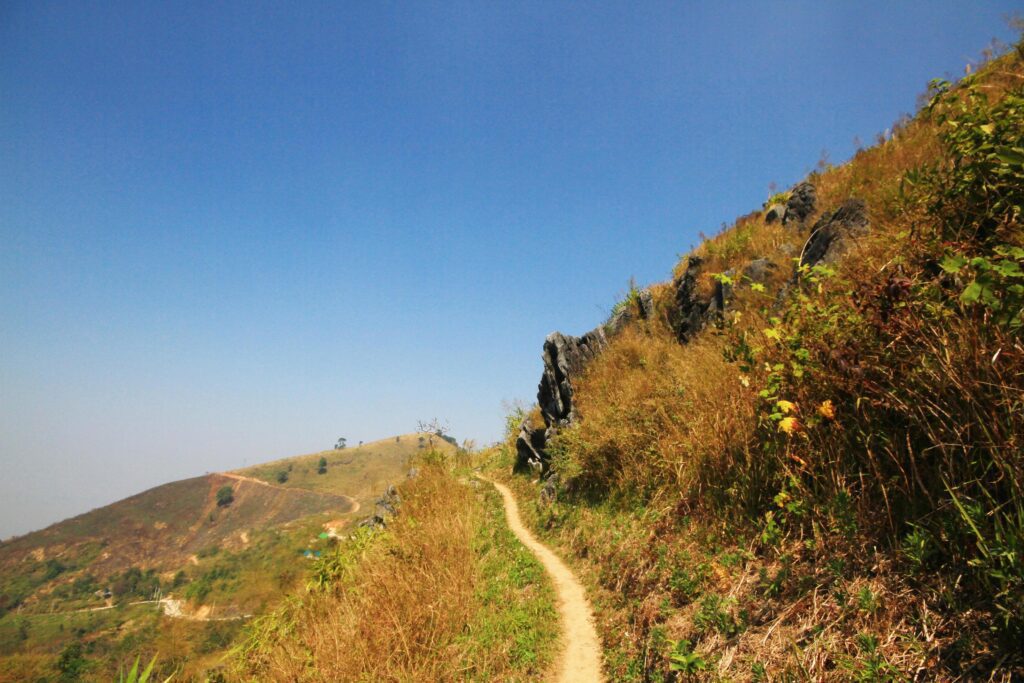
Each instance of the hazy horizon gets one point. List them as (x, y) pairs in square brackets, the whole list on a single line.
[(234, 233)]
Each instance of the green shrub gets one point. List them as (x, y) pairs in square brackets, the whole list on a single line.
[(225, 496)]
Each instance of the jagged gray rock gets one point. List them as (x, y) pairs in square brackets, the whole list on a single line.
[(384, 510), (833, 232), (802, 199), (758, 270), (692, 312), (549, 492), (530, 444), (564, 358), (775, 212)]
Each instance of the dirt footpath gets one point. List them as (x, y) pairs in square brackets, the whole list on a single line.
[(580, 661)]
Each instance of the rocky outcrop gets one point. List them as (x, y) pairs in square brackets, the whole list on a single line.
[(564, 358), (530, 456), (758, 270), (775, 212), (693, 311), (833, 233), (384, 510), (801, 203), (640, 308)]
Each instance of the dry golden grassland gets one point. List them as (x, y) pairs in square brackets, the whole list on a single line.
[(828, 485), (221, 561), (445, 594)]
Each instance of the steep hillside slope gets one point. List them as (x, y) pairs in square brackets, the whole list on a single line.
[(163, 527), (801, 458), (360, 472), (214, 549), (444, 593)]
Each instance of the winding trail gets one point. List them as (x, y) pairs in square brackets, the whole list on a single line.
[(580, 661), (254, 480)]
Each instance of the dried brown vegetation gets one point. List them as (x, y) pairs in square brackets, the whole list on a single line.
[(828, 485), (444, 594)]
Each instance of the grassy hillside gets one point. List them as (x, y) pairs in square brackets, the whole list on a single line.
[(446, 593), (824, 484), (360, 472), (221, 561)]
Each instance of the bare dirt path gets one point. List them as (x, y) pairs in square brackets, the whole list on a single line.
[(254, 480), (581, 658)]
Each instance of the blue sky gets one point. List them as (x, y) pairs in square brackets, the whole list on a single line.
[(236, 231)]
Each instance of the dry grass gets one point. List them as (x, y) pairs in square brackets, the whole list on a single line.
[(398, 618), (876, 537), (418, 603), (659, 414)]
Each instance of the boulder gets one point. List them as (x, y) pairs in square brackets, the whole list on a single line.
[(565, 357), (834, 232), (802, 199), (549, 492), (758, 270), (384, 510), (692, 312), (530, 456), (775, 212)]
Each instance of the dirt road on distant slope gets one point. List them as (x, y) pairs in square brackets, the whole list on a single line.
[(580, 661), (254, 480)]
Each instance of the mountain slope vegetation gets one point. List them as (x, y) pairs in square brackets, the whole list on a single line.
[(801, 458), (214, 549), (445, 593)]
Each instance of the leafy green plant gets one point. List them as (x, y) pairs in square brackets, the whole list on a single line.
[(981, 188), (716, 613), (777, 198), (136, 676), (919, 547), (867, 601), (870, 666), (683, 659), (630, 300), (995, 282), (686, 583)]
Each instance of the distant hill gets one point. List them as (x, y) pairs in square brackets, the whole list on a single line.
[(208, 559), (164, 526)]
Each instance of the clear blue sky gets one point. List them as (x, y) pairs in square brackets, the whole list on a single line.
[(235, 231)]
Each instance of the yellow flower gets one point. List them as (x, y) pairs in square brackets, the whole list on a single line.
[(789, 425), (827, 410), (786, 407)]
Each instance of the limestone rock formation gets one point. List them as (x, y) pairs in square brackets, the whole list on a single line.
[(758, 270), (692, 311), (801, 203), (775, 212), (833, 233), (530, 444), (564, 358), (385, 509), (642, 309)]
